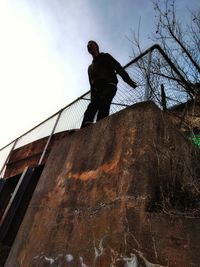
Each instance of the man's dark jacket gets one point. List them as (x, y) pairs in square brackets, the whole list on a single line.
[(103, 71)]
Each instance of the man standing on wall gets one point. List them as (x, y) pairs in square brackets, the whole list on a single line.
[(103, 82)]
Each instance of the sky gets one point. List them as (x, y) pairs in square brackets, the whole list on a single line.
[(43, 55)]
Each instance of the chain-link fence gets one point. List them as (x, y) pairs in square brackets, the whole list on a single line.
[(150, 70)]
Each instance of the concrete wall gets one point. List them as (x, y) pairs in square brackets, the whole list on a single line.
[(122, 192), (187, 117)]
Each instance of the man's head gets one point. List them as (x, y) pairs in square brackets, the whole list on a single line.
[(93, 48)]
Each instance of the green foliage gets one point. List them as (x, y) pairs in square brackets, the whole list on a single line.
[(196, 140)]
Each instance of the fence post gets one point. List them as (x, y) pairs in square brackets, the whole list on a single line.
[(6, 161), (50, 136), (147, 85), (163, 98)]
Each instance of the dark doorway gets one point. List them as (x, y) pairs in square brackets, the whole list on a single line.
[(15, 195)]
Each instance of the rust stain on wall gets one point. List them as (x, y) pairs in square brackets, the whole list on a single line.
[(105, 168)]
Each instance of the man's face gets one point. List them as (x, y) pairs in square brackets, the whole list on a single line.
[(92, 48)]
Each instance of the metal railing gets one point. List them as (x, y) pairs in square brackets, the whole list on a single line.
[(70, 117)]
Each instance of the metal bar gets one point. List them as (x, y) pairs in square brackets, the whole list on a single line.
[(49, 139), (13, 196), (147, 85), (141, 55), (6, 161)]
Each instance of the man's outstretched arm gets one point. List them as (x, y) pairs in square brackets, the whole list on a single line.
[(120, 70)]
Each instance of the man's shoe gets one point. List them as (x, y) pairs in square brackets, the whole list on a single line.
[(72, 131), (88, 123)]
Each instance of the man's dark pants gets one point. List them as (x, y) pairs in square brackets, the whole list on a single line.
[(100, 103)]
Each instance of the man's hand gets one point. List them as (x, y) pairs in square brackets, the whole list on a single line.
[(133, 84)]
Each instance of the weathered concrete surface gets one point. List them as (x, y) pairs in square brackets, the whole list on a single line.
[(187, 116), (121, 193)]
